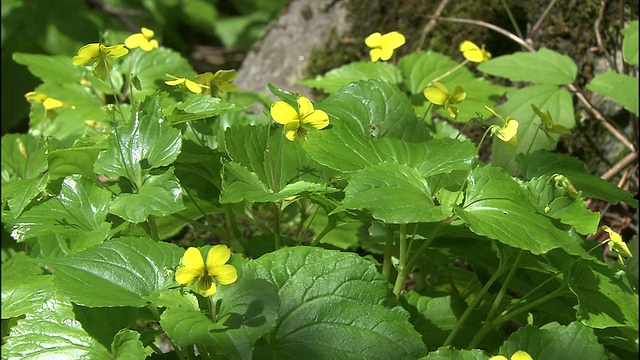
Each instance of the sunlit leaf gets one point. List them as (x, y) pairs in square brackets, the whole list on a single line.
[(542, 67), (622, 88), (352, 72)]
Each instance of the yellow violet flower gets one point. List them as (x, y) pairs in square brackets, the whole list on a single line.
[(518, 355), (548, 126), (143, 40), (295, 120), (220, 81), (99, 57), (509, 131), (216, 268), (191, 85), (440, 95), (48, 102), (382, 46), (473, 53), (615, 243)]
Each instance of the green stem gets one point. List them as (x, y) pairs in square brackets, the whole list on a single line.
[(505, 286), (331, 224), (153, 228), (518, 301), (452, 70), (466, 179), (533, 140), (276, 226), (512, 19), (388, 248), (473, 305), (239, 240)]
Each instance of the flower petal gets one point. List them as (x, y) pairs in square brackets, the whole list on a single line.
[(291, 130), (374, 40), (617, 243), (498, 357), (283, 113), (375, 54), (193, 86), (148, 33), (521, 355), (305, 106), (504, 122), (175, 82), (458, 95), (192, 259), (206, 287), (187, 276), (135, 40), (51, 103), (471, 51), (510, 131), (317, 119), (436, 93), (225, 274), (392, 40), (218, 255), (87, 55), (114, 52)]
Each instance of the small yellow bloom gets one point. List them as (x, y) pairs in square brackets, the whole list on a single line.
[(216, 268), (473, 53), (48, 102), (99, 57), (220, 81), (189, 84), (440, 95), (143, 40), (509, 130), (518, 355), (548, 126), (295, 121), (616, 244), (382, 46)]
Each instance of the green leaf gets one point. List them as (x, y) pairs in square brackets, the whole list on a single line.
[(345, 150), (248, 310), (375, 108), (496, 206), (621, 88), (78, 213), (147, 137), (198, 107), (104, 323), (52, 332), (574, 341), (542, 67), (550, 98), (421, 67), (555, 201), (605, 298), (331, 307), (24, 287), (127, 346), (159, 195), (393, 193), (355, 71), (19, 193), (120, 272), (449, 353), (75, 160), (23, 157), (630, 42), (547, 163)]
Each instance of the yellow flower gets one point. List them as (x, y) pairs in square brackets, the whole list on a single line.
[(220, 81), (143, 40), (440, 95), (548, 126), (99, 56), (509, 130), (473, 53), (518, 355), (615, 243), (189, 84), (216, 268), (294, 121), (48, 102), (382, 46)]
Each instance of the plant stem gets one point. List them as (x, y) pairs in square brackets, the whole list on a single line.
[(388, 248), (331, 224), (276, 226), (153, 228), (235, 231), (503, 289), (451, 71), (473, 305), (511, 18)]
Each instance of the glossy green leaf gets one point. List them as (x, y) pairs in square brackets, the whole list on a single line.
[(151, 66), (120, 272), (159, 195), (104, 323), (331, 307), (556, 202), (496, 206), (355, 71), (147, 137), (630, 42), (546, 163), (375, 108), (621, 88), (19, 193), (605, 298), (75, 160), (127, 346), (198, 107), (554, 99), (24, 287), (449, 353), (393, 193), (52, 332), (248, 310), (542, 67), (421, 67), (345, 150), (574, 341), (23, 157), (78, 213)]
